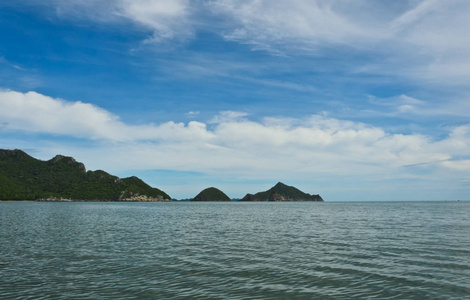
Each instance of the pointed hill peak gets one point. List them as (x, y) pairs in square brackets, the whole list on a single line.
[(282, 192), (211, 194), (283, 187)]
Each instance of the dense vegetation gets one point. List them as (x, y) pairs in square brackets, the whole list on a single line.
[(282, 192), (211, 194), (23, 177)]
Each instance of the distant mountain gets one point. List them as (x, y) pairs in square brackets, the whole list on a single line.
[(211, 194), (23, 177), (281, 192)]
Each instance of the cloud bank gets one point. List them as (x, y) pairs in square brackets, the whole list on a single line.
[(234, 145)]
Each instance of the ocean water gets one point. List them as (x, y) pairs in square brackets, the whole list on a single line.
[(304, 250)]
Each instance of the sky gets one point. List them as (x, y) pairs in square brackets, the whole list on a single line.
[(353, 100)]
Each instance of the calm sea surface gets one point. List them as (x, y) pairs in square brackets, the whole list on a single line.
[(304, 250)]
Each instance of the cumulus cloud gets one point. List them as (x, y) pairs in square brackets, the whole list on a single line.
[(35, 112), (236, 146)]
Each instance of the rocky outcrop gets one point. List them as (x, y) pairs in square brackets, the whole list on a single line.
[(69, 160), (54, 199), (141, 198)]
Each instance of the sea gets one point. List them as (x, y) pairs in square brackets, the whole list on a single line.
[(270, 250)]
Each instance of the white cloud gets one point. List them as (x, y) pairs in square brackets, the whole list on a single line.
[(38, 113), (235, 146), (461, 165), (425, 40), (166, 19), (396, 101), (228, 116), (4, 61), (416, 14), (436, 33), (401, 104), (271, 24), (405, 105)]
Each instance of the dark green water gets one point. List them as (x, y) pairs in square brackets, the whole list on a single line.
[(399, 250)]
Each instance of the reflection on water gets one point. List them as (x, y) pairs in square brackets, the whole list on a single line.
[(305, 250)]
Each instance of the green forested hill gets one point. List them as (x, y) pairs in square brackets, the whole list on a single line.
[(211, 194), (282, 192), (23, 177)]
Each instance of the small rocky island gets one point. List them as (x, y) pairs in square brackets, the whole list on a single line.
[(62, 178), (211, 194), (281, 192)]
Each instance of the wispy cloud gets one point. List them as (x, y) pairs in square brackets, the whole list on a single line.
[(403, 105), (281, 25), (228, 116), (415, 14), (165, 19), (422, 40), (4, 61)]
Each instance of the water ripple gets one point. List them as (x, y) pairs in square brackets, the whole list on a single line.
[(234, 250)]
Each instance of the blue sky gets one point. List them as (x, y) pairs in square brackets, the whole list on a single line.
[(354, 100)]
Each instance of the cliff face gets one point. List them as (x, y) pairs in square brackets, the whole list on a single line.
[(23, 177), (282, 192), (211, 194)]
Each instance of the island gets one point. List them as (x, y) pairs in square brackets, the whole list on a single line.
[(211, 194), (62, 178), (281, 192)]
